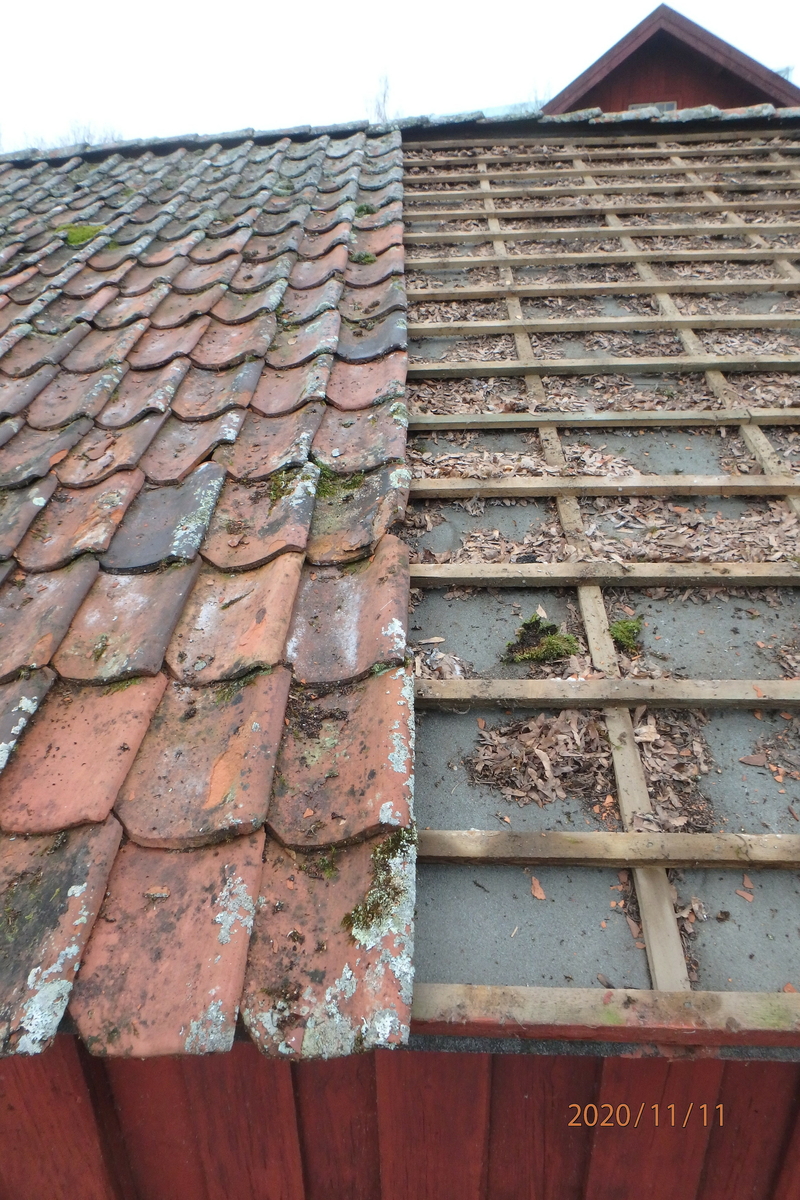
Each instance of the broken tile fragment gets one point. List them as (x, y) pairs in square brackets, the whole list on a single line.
[(32, 453), (52, 782), (178, 308), (281, 392), (17, 394), (228, 345), (166, 524), (353, 386), (69, 396), (169, 917), (18, 508), (255, 522), (353, 512), (207, 394), (367, 340), (345, 766), (160, 346), (361, 441), (330, 969), (346, 621), (180, 446), (77, 522), (102, 452), (269, 444), (37, 349), (103, 347), (52, 887), (204, 771), (308, 273), (142, 392), (122, 311), (373, 303), (36, 612), (123, 627), (367, 274), (235, 623), (142, 279)]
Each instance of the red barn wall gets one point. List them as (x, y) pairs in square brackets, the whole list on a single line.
[(666, 69), (403, 1125)]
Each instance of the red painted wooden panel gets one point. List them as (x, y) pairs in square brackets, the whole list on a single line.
[(338, 1116), (744, 1156), (50, 1145), (433, 1120), (533, 1153), (672, 1155), (788, 1186)]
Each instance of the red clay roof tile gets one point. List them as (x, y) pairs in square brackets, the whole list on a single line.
[(180, 446), (254, 522), (384, 216), (372, 303), (52, 781), (304, 305), (321, 221), (354, 512), (365, 342), (32, 453), (203, 773), (65, 311), (143, 392), (309, 273), (350, 442), (367, 274), (297, 344), (19, 700), (269, 444), (70, 396), (77, 522), (281, 392), (235, 623), (169, 916), (261, 249), (254, 277), (17, 394), (206, 394), (228, 345), (37, 349), (88, 282), (18, 508), (314, 246), (269, 224), (102, 347), (140, 279), (177, 308), (160, 346), (233, 308), (54, 886), (159, 252), (102, 452), (214, 249), (376, 241), (125, 309), (353, 386)]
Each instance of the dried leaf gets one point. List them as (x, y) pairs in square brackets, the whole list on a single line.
[(537, 891)]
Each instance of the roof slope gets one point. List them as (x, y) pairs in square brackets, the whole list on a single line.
[(770, 86), (207, 726)]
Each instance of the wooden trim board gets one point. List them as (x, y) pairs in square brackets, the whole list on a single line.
[(630, 418), (516, 487), (608, 693), (606, 574), (682, 364)]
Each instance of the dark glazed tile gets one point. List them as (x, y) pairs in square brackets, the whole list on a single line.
[(37, 349), (370, 273), (65, 311), (163, 970), (122, 311), (329, 973), (87, 282), (123, 628), (376, 241), (70, 396), (310, 273), (101, 348), (206, 394), (32, 453), (19, 700), (353, 512), (103, 452), (203, 773), (254, 277), (141, 279), (235, 308), (17, 394), (18, 508), (304, 305), (160, 346), (215, 249), (228, 345), (364, 342), (36, 613), (166, 524), (297, 344), (281, 392), (262, 249), (255, 522), (317, 245), (346, 621), (235, 623), (143, 392), (180, 446), (370, 304), (53, 781), (269, 444), (350, 442), (353, 386), (344, 770), (55, 886), (78, 522), (178, 308)]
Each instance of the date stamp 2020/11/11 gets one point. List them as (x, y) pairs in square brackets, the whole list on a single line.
[(621, 1116)]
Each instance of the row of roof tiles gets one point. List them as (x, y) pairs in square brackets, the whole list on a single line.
[(206, 721)]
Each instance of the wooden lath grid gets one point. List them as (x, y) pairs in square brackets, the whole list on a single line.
[(772, 163)]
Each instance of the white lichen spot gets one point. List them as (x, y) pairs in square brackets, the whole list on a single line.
[(396, 633), (38, 501), (211, 1032), (400, 755), (387, 815), (77, 889), (400, 478), (26, 704), (235, 904), (42, 1013)]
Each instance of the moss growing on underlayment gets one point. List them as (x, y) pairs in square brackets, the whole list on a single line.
[(540, 641), (626, 633)]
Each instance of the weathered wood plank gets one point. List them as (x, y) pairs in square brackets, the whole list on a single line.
[(570, 325), (455, 237), (606, 574), (516, 487), (631, 172), (608, 693), (622, 287), (590, 365), (566, 849), (620, 189), (573, 258), (632, 418)]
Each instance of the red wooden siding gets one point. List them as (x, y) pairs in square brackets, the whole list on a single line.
[(407, 1125)]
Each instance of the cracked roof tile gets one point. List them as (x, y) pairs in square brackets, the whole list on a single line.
[(180, 446), (77, 522), (32, 453), (18, 508), (142, 392), (353, 512), (353, 386), (52, 781), (69, 396), (347, 620), (228, 345), (281, 392), (254, 522), (124, 625), (166, 524), (169, 916), (269, 444), (102, 452), (204, 771), (235, 623), (350, 442), (344, 769)]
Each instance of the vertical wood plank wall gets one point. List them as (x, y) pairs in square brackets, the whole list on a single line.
[(413, 1125)]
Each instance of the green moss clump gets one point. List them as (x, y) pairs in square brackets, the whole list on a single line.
[(78, 235), (540, 641), (363, 257), (331, 486), (280, 484), (626, 633), (385, 890), (365, 210)]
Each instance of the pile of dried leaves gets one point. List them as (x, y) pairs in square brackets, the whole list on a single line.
[(779, 753), (675, 756), (497, 464), (432, 663)]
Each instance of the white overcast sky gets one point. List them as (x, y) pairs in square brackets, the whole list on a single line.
[(161, 67)]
